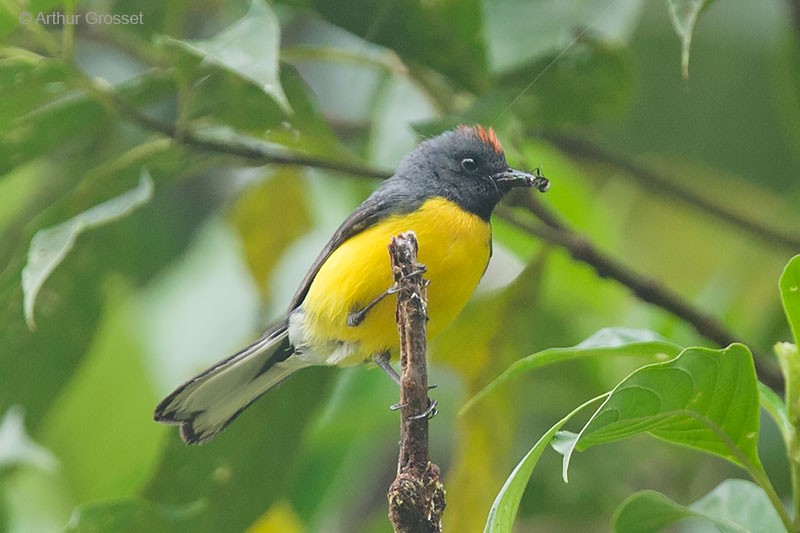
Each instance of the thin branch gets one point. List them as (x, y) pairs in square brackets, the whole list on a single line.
[(657, 182), (416, 497), (645, 288), (254, 150)]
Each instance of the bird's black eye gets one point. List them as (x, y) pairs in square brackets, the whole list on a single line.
[(469, 164)]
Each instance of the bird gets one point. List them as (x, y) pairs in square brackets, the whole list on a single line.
[(444, 190)]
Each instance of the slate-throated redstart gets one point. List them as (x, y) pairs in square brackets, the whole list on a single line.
[(445, 191)]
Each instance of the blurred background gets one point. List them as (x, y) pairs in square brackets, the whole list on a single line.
[(146, 143)]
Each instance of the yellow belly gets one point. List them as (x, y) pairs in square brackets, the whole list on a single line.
[(454, 246)]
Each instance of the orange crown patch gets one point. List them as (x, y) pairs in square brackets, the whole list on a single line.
[(486, 136)]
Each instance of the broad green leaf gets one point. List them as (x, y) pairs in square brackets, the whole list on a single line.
[(520, 31), (229, 100), (606, 342), (224, 107), (309, 132), (741, 502), (210, 94), (734, 506), (50, 246), (249, 48), (504, 509), (649, 511), (17, 447), (790, 295), (131, 515), (683, 14), (704, 399)]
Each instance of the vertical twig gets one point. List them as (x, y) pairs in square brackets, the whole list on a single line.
[(416, 497)]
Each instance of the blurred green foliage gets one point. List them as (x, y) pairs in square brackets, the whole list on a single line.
[(194, 92)]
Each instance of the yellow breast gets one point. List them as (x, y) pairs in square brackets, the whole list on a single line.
[(454, 245)]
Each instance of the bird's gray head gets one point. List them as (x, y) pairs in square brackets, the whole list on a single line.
[(466, 165)]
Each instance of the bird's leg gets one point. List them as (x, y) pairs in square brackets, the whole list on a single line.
[(428, 413), (357, 317), (382, 360)]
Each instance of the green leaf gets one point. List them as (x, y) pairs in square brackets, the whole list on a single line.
[(704, 399), (248, 48), (606, 342), (17, 448), (131, 515), (649, 511), (229, 109), (734, 506), (50, 246), (790, 295), (743, 503), (683, 14), (504, 509)]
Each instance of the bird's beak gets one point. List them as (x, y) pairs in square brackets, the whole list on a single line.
[(516, 178)]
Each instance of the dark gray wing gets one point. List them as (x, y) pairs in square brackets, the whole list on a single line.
[(389, 199)]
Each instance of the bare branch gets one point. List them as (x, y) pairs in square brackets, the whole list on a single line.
[(645, 288), (657, 182), (416, 497), (254, 150)]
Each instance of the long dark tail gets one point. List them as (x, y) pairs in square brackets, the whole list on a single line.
[(207, 403)]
